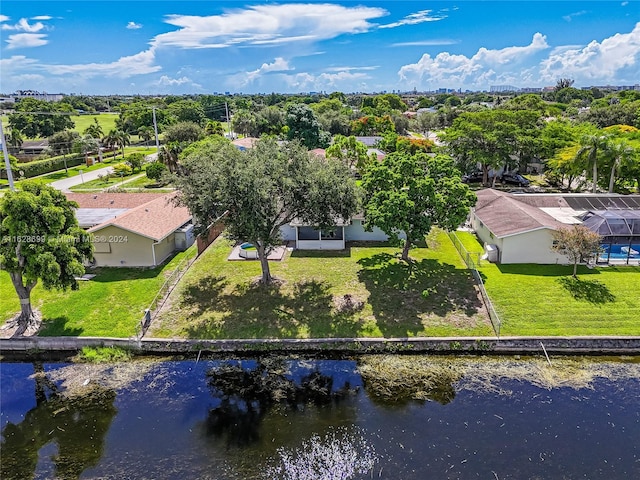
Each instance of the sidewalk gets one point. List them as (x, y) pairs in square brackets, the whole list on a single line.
[(66, 183)]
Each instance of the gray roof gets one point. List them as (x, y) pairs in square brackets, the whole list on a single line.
[(89, 217)]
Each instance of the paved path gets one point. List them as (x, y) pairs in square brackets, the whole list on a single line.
[(66, 183)]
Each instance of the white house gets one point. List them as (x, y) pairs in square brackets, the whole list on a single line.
[(308, 237), (520, 226)]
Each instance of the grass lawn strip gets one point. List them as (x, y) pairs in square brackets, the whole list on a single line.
[(362, 292), (536, 299), (109, 305)]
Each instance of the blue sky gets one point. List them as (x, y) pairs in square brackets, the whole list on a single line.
[(151, 47)]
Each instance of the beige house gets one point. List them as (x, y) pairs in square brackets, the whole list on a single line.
[(133, 230), (515, 231), (518, 227)]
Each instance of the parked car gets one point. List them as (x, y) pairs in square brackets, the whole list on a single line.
[(473, 177), (515, 179)]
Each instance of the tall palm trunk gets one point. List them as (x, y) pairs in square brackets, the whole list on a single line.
[(595, 174)]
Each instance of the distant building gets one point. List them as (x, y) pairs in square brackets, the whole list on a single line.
[(503, 88), (47, 97)]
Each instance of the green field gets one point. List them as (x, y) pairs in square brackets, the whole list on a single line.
[(110, 305), (432, 296), (106, 120), (544, 300)]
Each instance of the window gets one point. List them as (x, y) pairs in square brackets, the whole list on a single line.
[(308, 233)]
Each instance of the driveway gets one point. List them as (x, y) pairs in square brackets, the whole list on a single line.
[(66, 183)]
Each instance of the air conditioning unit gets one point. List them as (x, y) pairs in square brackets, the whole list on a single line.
[(184, 237), (492, 253)]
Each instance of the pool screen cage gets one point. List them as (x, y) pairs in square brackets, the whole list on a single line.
[(620, 232)]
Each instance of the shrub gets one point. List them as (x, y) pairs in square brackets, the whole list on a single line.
[(40, 167), (135, 160), (155, 170), (103, 354), (122, 169)]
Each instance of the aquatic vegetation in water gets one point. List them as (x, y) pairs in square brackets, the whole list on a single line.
[(103, 355), (413, 377), (338, 455)]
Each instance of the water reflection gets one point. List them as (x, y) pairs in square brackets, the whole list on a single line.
[(424, 416), (76, 426), (245, 395)]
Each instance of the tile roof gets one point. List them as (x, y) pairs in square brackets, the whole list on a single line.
[(155, 219)]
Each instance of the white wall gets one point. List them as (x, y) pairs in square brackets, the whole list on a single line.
[(320, 245), (288, 233), (530, 247), (356, 233)]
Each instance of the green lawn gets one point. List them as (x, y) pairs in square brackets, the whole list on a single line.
[(545, 300), (100, 184), (432, 297), (110, 305), (106, 120)]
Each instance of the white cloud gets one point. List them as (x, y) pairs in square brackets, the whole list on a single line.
[(171, 82), (4, 18), (23, 25), (42, 17), (598, 60), (138, 64), (133, 26), (569, 17), (415, 18), (26, 40), (459, 70), (309, 82), (268, 25), (278, 65)]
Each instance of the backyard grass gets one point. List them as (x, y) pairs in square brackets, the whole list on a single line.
[(545, 300), (109, 305), (360, 292)]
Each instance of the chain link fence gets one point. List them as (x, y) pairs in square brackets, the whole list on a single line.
[(473, 261)]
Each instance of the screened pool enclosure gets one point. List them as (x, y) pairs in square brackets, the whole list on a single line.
[(620, 231)]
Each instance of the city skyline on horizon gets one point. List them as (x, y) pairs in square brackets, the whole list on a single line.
[(199, 47)]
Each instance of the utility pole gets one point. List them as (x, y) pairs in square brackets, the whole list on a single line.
[(5, 154), (155, 129), (226, 108)]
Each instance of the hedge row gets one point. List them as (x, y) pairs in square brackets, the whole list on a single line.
[(40, 167)]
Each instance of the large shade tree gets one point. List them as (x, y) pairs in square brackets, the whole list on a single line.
[(410, 194), (263, 189), (40, 241)]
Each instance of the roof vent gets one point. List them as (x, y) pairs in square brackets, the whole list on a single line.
[(95, 196), (112, 201), (146, 209)]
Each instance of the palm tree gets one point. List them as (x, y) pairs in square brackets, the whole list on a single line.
[(621, 152), (14, 139), (214, 128), (122, 139), (146, 133), (590, 146), (169, 155), (95, 129), (111, 140)]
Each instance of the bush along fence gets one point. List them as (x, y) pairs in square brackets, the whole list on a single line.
[(40, 167), (472, 261)]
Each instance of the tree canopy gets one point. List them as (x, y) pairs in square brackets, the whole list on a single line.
[(411, 193), (38, 118), (264, 188), (40, 240), (577, 243)]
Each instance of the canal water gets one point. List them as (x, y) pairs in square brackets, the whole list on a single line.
[(374, 417)]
